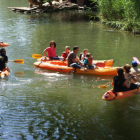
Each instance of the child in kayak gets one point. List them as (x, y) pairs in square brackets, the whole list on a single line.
[(83, 54), (135, 70), (51, 51), (128, 76), (65, 53), (88, 61)]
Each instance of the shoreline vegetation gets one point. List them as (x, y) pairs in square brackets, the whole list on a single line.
[(120, 14)]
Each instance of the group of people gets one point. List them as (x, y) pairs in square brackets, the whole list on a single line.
[(127, 78), (85, 60)]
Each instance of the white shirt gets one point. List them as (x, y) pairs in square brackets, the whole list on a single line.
[(135, 71)]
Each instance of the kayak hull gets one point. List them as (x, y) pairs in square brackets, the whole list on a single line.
[(109, 62), (4, 73), (4, 44), (61, 66), (109, 95)]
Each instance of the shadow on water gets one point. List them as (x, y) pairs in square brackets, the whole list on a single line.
[(62, 16)]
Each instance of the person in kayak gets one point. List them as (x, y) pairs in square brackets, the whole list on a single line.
[(72, 60), (135, 70), (51, 51), (83, 54), (119, 82), (88, 61), (130, 77), (65, 53), (3, 60)]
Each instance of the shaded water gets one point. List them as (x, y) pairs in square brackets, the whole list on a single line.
[(40, 104)]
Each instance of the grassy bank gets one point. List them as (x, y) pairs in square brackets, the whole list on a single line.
[(121, 14)]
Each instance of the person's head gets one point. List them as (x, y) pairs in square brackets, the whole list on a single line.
[(52, 44), (67, 49), (75, 49), (3, 51), (120, 76), (88, 55), (127, 68), (85, 51), (120, 71), (134, 64)]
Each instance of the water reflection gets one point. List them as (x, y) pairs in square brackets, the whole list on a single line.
[(41, 104)]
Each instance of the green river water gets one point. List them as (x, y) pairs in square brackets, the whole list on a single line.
[(38, 104)]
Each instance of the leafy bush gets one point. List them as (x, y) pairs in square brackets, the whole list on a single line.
[(119, 9)]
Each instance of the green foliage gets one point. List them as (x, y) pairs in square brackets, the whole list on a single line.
[(119, 9)]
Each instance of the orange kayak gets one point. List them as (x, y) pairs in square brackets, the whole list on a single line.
[(109, 95), (61, 66), (2, 44), (109, 62), (4, 73)]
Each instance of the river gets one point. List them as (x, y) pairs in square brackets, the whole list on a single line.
[(37, 104)]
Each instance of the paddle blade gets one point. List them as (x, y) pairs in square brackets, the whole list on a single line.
[(19, 61), (100, 64), (136, 59), (36, 56), (102, 86)]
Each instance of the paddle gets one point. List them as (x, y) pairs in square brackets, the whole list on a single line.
[(105, 85), (137, 60), (36, 56), (19, 61)]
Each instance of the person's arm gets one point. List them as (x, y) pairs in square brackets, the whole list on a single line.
[(112, 84), (44, 52), (74, 61), (134, 78), (82, 57), (127, 84), (6, 59)]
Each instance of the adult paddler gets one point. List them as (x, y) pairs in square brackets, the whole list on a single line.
[(3, 60), (73, 61)]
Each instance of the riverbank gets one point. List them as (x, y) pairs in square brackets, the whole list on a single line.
[(56, 6), (120, 14), (133, 27)]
